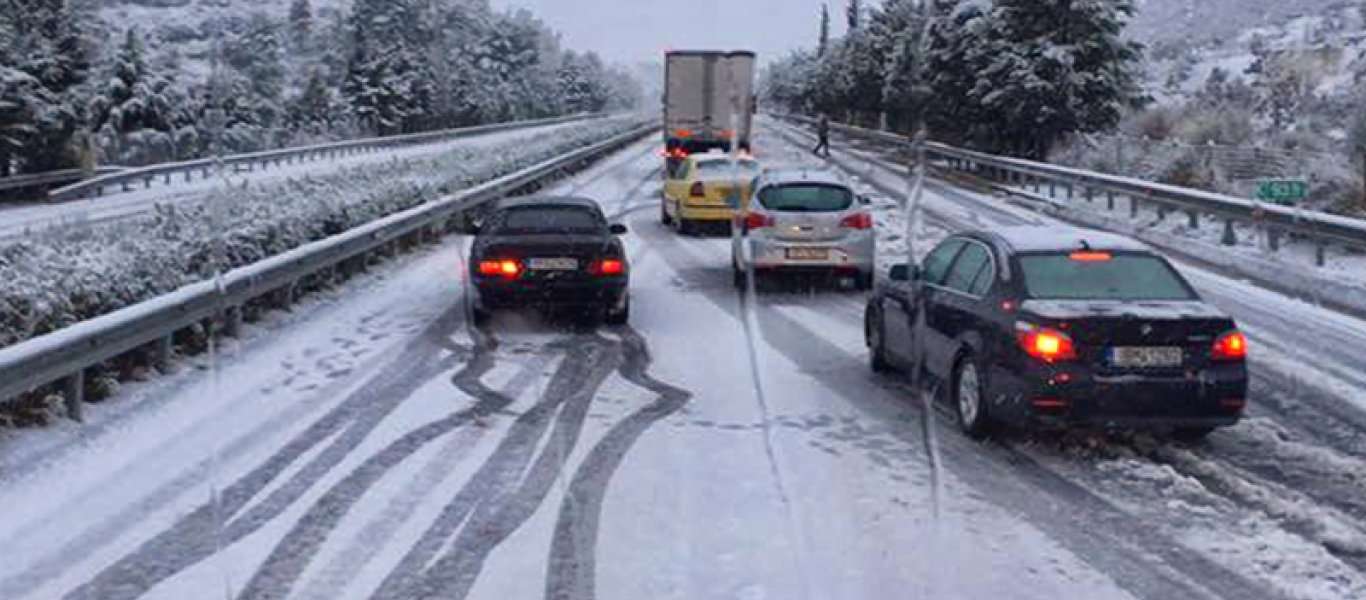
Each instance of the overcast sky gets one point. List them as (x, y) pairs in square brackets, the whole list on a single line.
[(632, 30)]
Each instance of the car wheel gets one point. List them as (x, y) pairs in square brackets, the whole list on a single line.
[(684, 226), (1192, 434), (863, 281), (619, 316), (876, 336), (969, 398), (479, 314), (664, 213)]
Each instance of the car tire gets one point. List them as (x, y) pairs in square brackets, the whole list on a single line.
[(875, 336), (480, 315), (620, 316), (863, 281), (664, 217), (969, 398), (684, 226), (1192, 434)]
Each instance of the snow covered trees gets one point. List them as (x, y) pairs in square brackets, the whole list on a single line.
[(44, 66), (1005, 75), (248, 78)]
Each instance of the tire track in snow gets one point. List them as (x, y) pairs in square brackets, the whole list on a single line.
[(332, 581), (199, 534), (506, 490), (570, 573), (1136, 556), (292, 554)]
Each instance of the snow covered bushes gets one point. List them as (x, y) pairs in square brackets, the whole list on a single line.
[(51, 281)]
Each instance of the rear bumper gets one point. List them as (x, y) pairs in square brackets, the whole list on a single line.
[(856, 253), (491, 294), (706, 213), (1212, 397)]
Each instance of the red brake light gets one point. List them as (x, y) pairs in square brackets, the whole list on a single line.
[(1048, 345), (683, 133), (500, 268), (858, 221), (1230, 346), (757, 221), (726, 133), (1090, 256), (610, 266), (698, 190)]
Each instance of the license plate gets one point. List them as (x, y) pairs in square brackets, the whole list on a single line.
[(1146, 356), (553, 264), (808, 253)]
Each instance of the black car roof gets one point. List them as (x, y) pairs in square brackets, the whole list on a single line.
[(548, 202), (1046, 238)]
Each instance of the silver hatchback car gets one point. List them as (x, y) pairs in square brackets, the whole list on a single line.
[(805, 220)]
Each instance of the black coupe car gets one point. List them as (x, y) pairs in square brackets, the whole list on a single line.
[(1060, 326), (550, 253)]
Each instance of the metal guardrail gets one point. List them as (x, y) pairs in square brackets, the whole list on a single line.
[(17, 182), (125, 179), (64, 355), (1320, 227)]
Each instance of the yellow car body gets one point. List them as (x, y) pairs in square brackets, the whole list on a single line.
[(698, 190)]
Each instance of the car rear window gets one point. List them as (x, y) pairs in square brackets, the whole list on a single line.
[(806, 197), (722, 166), (1058, 276), (557, 219)]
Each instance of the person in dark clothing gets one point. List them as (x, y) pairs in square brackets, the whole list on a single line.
[(823, 135)]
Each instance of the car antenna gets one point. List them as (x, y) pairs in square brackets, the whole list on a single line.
[(1084, 245)]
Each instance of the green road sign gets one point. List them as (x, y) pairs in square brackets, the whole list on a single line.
[(1282, 191)]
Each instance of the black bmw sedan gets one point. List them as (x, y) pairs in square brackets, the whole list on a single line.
[(1060, 326), (546, 253)]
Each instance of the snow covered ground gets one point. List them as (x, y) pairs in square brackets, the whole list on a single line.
[(17, 221), (374, 444)]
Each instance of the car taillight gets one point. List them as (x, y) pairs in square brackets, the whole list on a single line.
[(1088, 256), (698, 190), (857, 221), (1043, 343), (609, 266), (1230, 346), (500, 268), (757, 221)]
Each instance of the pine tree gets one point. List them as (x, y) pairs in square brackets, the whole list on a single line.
[(854, 15), (1047, 68), (48, 50), (824, 42), (301, 24), (136, 112)]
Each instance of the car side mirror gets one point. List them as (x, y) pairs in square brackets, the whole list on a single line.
[(616, 229), (904, 272), (472, 228)]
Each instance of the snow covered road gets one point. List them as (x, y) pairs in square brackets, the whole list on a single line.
[(374, 444)]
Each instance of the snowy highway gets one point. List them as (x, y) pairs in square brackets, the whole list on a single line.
[(373, 443)]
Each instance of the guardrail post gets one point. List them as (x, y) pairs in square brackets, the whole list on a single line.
[(1194, 218), (205, 174), (1133, 207), (73, 394), (147, 182), (187, 175), (1069, 192), (1273, 238), (1109, 200), (168, 178), (1052, 188), (1090, 194), (1320, 253), (1230, 237), (164, 347), (232, 321)]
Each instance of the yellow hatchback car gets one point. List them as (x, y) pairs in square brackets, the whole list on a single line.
[(701, 189)]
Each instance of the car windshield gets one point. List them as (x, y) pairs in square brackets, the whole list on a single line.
[(1135, 277), (804, 197), (547, 220), (470, 300)]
